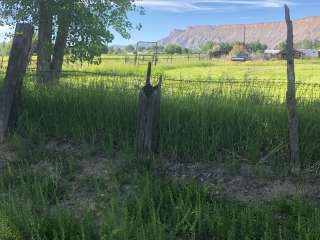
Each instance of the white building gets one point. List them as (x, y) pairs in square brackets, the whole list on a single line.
[(272, 51)]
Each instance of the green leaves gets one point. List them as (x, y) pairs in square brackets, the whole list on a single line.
[(90, 26), (173, 49)]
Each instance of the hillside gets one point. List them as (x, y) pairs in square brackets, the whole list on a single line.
[(270, 34)]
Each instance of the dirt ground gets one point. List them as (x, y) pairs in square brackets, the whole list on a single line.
[(247, 183), (92, 176)]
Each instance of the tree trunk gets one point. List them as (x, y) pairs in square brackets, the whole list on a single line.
[(17, 65), (44, 42), (64, 22)]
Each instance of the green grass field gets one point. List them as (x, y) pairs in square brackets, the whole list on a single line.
[(306, 70), (215, 112)]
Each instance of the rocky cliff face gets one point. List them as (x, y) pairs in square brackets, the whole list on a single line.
[(270, 34)]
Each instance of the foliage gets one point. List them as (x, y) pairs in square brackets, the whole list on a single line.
[(281, 46), (238, 48), (173, 49), (90, 25), (186, 51), (256, 47), (307, 44), (253, 47), (227, 47), (130, 48), (207, 46)]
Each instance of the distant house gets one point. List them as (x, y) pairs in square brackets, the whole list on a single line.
[(310, 53), (296, 53), (217, 53), (241, 57), (271, 53)]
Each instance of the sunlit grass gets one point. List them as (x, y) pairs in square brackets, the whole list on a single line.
[(229, 112), (197, 126)]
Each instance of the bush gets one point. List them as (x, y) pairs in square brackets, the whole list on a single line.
[(173, 49)]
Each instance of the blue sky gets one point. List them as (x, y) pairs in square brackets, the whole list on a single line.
[(163, 16)]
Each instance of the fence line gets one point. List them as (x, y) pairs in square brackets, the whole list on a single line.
[(266, 88), (217, 81)]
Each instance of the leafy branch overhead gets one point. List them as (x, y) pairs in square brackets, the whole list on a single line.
[(81, 27)]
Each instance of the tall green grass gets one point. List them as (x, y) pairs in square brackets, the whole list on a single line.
[(194, 127), (158, 209)]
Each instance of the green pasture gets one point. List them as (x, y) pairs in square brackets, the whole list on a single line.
[(263, 78), (306, 69), (218, 112)]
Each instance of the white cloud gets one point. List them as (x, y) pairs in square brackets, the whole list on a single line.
[(209, 5)]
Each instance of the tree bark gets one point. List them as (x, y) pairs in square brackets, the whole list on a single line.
[(11, 92), (64, 22), (44, 42)]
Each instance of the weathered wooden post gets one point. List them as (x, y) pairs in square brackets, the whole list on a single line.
[(136, 54), (2, 61), (295, 164), (148, 132), (17, 65)]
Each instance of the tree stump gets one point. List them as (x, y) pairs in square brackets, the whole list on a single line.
[(293, 124), (17, 65), (148, 133)]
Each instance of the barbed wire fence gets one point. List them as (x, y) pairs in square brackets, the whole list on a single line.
[(247, 84), (268, 89)]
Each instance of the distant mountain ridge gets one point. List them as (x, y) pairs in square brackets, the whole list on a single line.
[(271, 33)]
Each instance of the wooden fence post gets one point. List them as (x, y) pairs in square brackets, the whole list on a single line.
[(2, 61), (17, 65), (148, 132), (293, 124)]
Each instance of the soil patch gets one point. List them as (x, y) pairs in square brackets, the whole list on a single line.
[(246, 184)]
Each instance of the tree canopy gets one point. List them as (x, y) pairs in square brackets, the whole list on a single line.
[(256, 47), (83, 27), (213, 46), (308, 44), (207, 46), (130, 48), (173, 49), (237, 49)]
